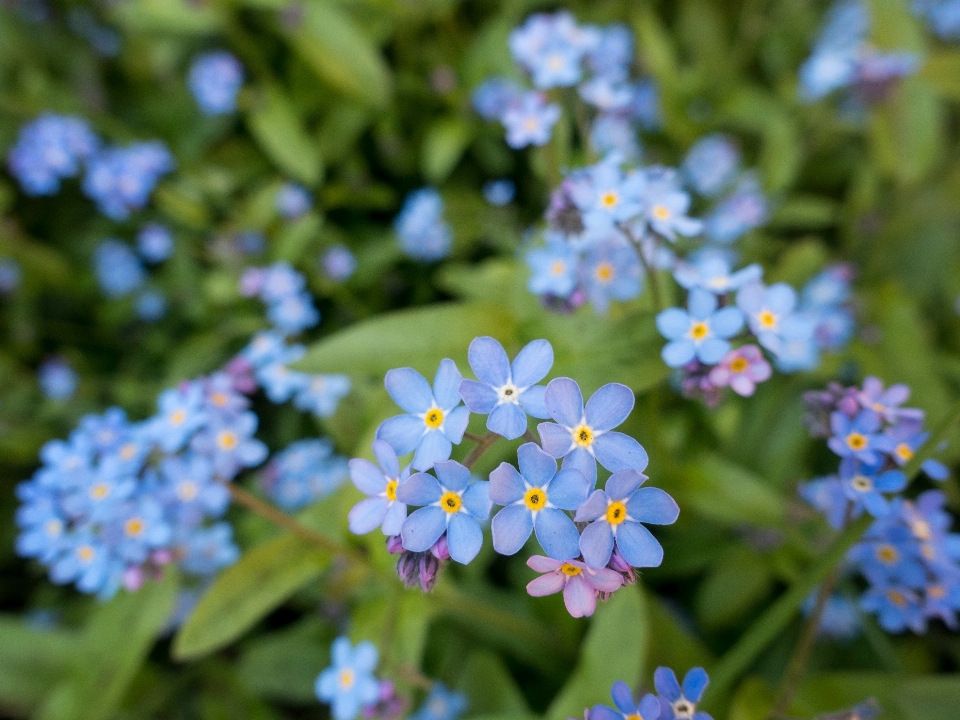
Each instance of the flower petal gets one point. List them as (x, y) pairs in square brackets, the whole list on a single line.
[(433, 448), (650, 707), (609, 406), (489, 361), (596, 544), (511, 527), (653, 505), (673, 322), (564, 401), (580, 599), (446, 385), (464, 538), (638, 546), (508, 421), (365, 656), (387, 458), (452, 475), (455, 424), (542, 564), (476, 500), (480, 398), (726, 322), (712, 350), (536, 466), (393, 521), (532, 401), (532, 363), (506, 485), (623, 484), (557, 534), (556, 440), (368, 514), (402, 432), (594, 507), (366, 476), (419, 489), (695, 683), (423, 528), (548, 584), (678, 353), (606, 580), (665, 681), (701, 303), (568, 489), (582, 460), (409, 389), (616, 452), (623, 698)]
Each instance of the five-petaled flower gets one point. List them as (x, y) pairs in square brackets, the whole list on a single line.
[(700, 332), (856, 437), (348, 685), (680, 703), (382, 507), (579, 583), (647, 709)]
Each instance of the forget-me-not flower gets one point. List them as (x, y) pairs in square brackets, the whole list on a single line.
[(864, 484), (553, 268), (610, 271), (348, 685), (857, 437), (766, 310), (647, 709), (579, 583), (441, 704), (381, 509), (700, 332), (680, 702), (530, 120)]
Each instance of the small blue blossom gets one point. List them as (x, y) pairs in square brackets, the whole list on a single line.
[(902, 441), (680, 702), (554, 270), (306, 471), (57, 379), (214, 79), (293, 201), (230, 444), (499, 192), (606, 196), (338, 263), (423, 233), (864, 485), (711, 164), (712, 271), (142, 528), (700, 332), (584, 436), (856, 437), (293, 314), (615, 516), (534, 499), (348, 685), (179, 414), (10, 275), (441, 704), (840, 618), (897, 607), (380, 482), (434, 421), (154, 243), (507, 392), (530, 120), (492, 97), (886, 403), (151, 305), (665, 206), (646, 104), (551, 48), (611, 54), (118, 269), (799, 350), (610, 271), (209, 550), (647, 709), (49, 149), (454, 505), (767, 310), (742, 211), (612, 133), (120, 179), (828, 495), (86, 561), (189, 487), (321, 395)]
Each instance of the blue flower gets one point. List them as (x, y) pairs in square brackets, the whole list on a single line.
[(57, 379), (680, 703), (712, 271), (304, 472), (711, 164), (665, 206), (381, 509), (441, 704), (49, 149), (499, 192), (10, 275), (583, 436), (897, 607), (348, 684), (339, 263), (554, 270), (766, 310), (180, 414), (454, 505), (117, 268), (95, 497), (215, 79), (647, 709), (606, 196), (322, 394), (701, 332), (864, 485), (903, 440), (120, 180), (857, 437), (492, 97), (530, 120), (208, 550), (189, 488), (420, 227), (739, 213), (230, 444), (615, 516), (293, 314), (154, 242), (889, 555), (840, 618), (434, 420), (293, 200), (141, 527), (798, 347), (507, 392), (534, 499), (151, 305), (610, 271), (86, 561)]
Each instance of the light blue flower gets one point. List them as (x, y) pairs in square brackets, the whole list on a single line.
[(120, 179), (348, 685), (680, 703), (339, 263), (57, 379), (420, 227), (665, 205), (700, 332), (766, 310), (381, 509), (606, 196), (507, 392), (712, 271), (530, 120), (554, 270), (865, 484), (49, 149), (499, 192), (179, 414), (737, 214), (534, 499), (711, 164), (647, 709), (611, 271), (293, 200), (441, 704), (434, 419), (857, 437), (117, 268), (322, 394), (154, 242), (584, 436), (207, 550), (215, 79), (230, 444), (453, 505)]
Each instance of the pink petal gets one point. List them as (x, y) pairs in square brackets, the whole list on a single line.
[(579, 597), (542, 564), (546, 584), (605, 579)]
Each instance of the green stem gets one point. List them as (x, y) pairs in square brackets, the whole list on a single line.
[(483, 444)]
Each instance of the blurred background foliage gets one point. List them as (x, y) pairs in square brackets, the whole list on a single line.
[(362, 101)]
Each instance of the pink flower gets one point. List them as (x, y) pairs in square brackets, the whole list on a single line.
[(580, 584), (741, 369)]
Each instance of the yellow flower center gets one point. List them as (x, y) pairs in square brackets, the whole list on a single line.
[(128, 451), (583, 436), (531, 123), (450, 502), (661, 212), (558, 268), (604, 272), (187, 490), (391, 491), (177, 417), (434, 418), (86, 553), (53, 527), (699, 330), (926, 549), (347, 679), (219, 399), (134, 527), (227, 440), (767, 320), (921, 529), (99, 491), (609, 199), (903, 452), (937, 591), (616, 513), (856, 441), (738, 365), (570, 570), (861, 483), (887, 554), (896, 598), (535, 499)]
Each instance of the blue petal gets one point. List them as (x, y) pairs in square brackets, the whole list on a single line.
[(594, 507), (616, 452), (695, 683), (511, 528), (935, 469), (536, 466), (568, 490), (596, 544), (623, 484), (507, 420), (638, 546), (366, 476), (455, 424), (726, 322), (341, 651), (464, 538), (780, 298), (532, 363), (701, 304), (665, 681), (446, 385), (556, 440), (423, 528), (419, 489), (609, 406), (365, 657), (557, 534), (452, 475), (409, 389), (480, 398), (678, 353), (564, 401), (368, 514), (393, 521), (712, 350), (532, 401), (623, 698), (890, 481), (433, 448), (476, 500), (602, 712), (387, 458), (345, 707), (402, 432), (649, 707), (506, 485), (673, 322), (582, 460), (653, 505), (489, 361), (367, 690), (750, 298)]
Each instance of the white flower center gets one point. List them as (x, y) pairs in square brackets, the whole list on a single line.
[(508, 393)]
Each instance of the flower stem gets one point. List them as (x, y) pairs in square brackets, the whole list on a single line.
[(483, 444)]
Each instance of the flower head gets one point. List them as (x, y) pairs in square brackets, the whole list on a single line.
[(348, 684), (856, 437), (647, 709), (741, 369), (381, 483), (580, 583), (699, 332), (680, 703), (215, 79), (530, 120)]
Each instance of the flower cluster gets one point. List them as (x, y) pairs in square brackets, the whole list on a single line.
[(588, 555), (338, 263), (120, 272), (307, 471), (49, 149), (120, 180), (289, 306), (908, 556), (843, 58), (293, 201), (423, 233), (555, 52), (214, 79), (943, 16), (673, 701)]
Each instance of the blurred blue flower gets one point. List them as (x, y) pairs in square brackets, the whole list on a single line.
[(49, 149), (380, 482), (230, 444), (441, 704), (551, 47), (306, 471), (680, 702), (57, 379), (214, 79), (120, 179), (647, 709), (897, 607), (348, 685), (864, 485), (738, 213), (154, 242), (180, 413), (712, 271), (151, 305), (209, 550), (10, 275), (610, 271), (321, 394), (188, 485), (554, 270), (420, 227), (118, 269), (338, 263), (856, 437), (665, 205), (711, 164), (499, 192), (492, 97), (700, 332), (293, 200), (767, 310), (530, 120)]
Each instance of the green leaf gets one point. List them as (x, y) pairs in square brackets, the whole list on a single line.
[(615, 649), (443, 146), (284, 664), (418, 338), (902, 697), (907, 132), (246, 592), (805, 212), (172, 16), (729, 493), (735, 585), (338, 51), (32, 661), (489, 686), (942, 72), (279, 131)]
